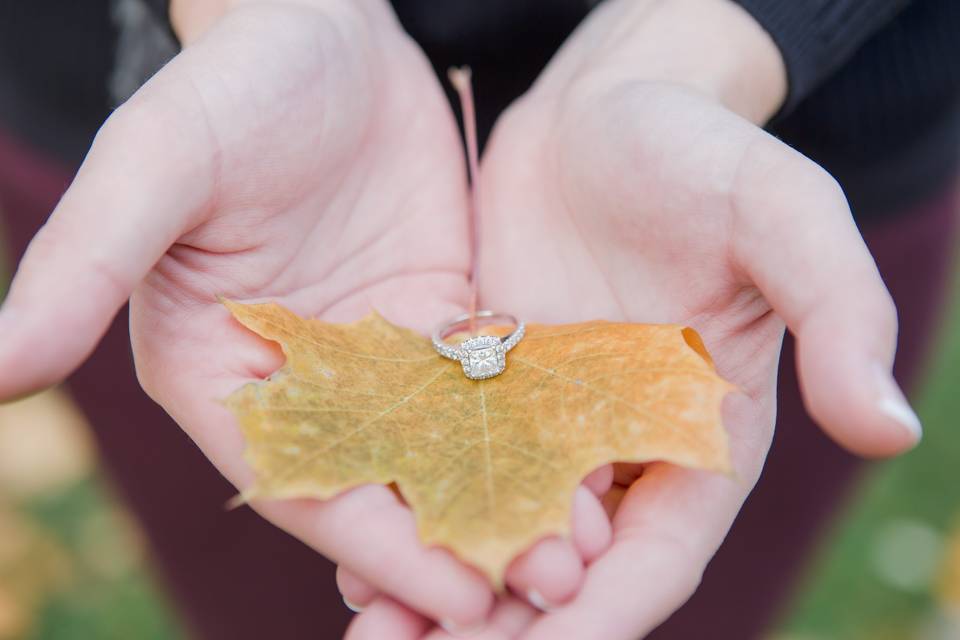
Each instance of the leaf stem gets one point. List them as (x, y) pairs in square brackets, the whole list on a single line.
[(460, 78)]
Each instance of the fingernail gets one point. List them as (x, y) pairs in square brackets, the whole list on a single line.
[(461, 632), (353, 607), (535, 598), (894, 404), (898, 409)]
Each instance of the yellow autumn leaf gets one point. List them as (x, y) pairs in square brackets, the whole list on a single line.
[(490, 466)]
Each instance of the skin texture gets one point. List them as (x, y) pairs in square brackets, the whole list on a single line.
[(303, 151), (281, 155), (640, 199)]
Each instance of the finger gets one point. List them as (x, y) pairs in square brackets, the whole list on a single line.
[(668, 525), (367, 530), (656, 559), (142, 182), (357, 593), (508, 619), (372, 534), (799, 244), (591, 532), (386, 618), (599, 480), (630, 605), (548, 574)]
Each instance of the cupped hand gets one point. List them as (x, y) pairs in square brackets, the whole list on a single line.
[(613, 194), (297, 151)]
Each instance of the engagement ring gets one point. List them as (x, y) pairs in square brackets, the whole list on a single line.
[(482, 356)]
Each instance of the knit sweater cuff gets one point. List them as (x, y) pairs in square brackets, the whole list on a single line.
[(816, 37)]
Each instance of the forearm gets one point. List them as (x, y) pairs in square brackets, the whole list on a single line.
[(713, 46), (191, 18)]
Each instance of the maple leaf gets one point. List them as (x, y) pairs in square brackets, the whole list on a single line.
[(488, 467)]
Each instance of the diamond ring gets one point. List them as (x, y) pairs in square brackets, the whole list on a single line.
[(482, 356)]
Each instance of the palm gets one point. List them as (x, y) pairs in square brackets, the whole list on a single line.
[(302, 151), (621, 207), (602, 216), (331, 211)]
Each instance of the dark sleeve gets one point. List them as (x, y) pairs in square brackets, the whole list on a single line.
[(816, 37), (161, 9)]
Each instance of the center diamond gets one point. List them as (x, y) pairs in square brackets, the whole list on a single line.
[(483, 357)]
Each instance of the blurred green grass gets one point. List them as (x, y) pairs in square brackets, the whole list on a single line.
[(849, 594), (110, 594)]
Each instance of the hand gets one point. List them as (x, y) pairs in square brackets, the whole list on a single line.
[(301, 151), (619, 193)]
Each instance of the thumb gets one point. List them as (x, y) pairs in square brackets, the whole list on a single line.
[(143, 181), (802, 249)]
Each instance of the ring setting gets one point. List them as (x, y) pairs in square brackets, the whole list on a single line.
[(482, 356)]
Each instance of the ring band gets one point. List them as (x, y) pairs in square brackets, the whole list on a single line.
[(481, 356)]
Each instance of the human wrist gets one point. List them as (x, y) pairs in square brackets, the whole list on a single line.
[(729, 56), (191, 18), (712, 46)]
